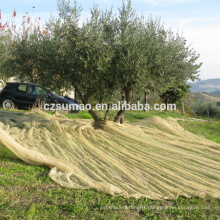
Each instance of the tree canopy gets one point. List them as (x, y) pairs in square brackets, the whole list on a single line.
[(104, 56)]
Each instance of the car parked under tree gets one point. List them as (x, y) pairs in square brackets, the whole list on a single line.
[(25, 95)]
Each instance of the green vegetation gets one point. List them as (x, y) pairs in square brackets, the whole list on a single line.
[(175, 94), (209, 130), (210, 110), (81, 114), (26, 191), (131, 116)]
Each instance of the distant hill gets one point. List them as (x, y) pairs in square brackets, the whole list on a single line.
[(204, 97), (217, 92), (210, 86)]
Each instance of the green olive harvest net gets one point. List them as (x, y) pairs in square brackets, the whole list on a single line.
[(154, 158)]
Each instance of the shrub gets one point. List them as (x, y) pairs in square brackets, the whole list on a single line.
[(209, 110)]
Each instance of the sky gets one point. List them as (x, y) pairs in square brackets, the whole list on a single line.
[(197, 20)]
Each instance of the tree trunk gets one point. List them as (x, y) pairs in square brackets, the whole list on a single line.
[(119, 115), (74, 93), (145, 100), (122, 119), (85, 100), (95, 115), (183, 108), (119, 118), (106, 113)]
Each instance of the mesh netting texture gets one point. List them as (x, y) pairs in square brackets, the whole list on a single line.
[(154, 158)]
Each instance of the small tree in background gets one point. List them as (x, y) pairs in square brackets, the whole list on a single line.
[(175, 95)]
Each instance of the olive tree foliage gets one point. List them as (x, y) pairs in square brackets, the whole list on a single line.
[(149, 57), (128, 63), (86, 51), (34, 58), (174, 64), (105, 55), (175, 94), (23, 60), (4, 55)]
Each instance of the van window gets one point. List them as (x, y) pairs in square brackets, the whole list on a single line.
[(41, 91), (22, 88), (31, 90)]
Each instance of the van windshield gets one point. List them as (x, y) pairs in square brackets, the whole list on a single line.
[(53, 94)]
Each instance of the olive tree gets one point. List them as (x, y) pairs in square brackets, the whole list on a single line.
[(85, 50), (104, 56), (149, 57)]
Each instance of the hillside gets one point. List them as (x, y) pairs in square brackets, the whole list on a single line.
[(204, 97), (211, 86)]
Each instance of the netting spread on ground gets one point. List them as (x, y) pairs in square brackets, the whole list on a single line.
[(155, 158)]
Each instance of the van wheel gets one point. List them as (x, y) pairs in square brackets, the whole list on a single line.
[(7, 103)]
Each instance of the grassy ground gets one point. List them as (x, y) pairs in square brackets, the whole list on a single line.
[(26, 191), (210, 129), (131, 116)]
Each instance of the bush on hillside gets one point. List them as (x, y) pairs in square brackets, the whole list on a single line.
[(209, 110)]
